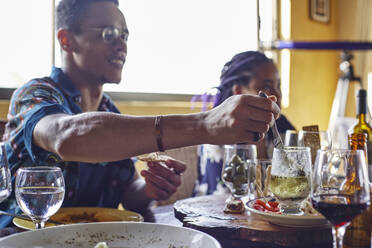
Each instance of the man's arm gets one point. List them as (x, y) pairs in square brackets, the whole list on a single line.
[(102, 136)]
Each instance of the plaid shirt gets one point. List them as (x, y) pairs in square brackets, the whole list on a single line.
[(87, 184)]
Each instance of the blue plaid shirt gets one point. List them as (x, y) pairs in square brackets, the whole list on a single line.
[(87, 184)]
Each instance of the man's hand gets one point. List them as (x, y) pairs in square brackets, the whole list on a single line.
[(163, 178), (238, 118)]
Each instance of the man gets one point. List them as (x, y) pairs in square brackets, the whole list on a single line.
[(67, 120)]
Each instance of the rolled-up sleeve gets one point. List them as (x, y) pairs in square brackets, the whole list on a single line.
[(28, 106)]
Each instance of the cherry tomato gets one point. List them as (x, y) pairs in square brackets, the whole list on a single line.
[(260, 202), (273, 204), (258, 207)]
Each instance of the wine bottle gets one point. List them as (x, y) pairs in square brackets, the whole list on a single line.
[(358, 233), (362, 126)]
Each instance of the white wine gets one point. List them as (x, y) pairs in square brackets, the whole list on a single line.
[(290, 188)]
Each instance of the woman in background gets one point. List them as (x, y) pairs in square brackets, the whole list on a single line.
[(246, 73)]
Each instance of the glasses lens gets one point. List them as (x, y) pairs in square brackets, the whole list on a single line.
[(110, 34)]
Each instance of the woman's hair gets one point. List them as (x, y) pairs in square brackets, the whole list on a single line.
[(232, 73), (239, 70), (69, 12)]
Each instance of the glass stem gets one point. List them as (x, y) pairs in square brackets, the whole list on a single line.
[(338, 235), (39, 224)]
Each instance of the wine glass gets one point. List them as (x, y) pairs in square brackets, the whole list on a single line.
[(291, 138), (235, 171), (290, 177), (340, 188), (5, 178), (39, 192), (315, 140)]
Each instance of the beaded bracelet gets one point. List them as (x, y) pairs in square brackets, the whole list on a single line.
[(159, 133)]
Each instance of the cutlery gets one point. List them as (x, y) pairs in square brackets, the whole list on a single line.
[(278, 142)]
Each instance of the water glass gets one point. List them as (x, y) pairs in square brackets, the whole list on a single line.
[(5, 178), (39, 192), (290, 177)]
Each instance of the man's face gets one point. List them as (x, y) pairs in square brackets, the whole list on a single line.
[(98, 60)]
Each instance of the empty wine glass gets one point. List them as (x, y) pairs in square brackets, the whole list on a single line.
[(39, 192), (290, 177), (340, 188), (291, 138), (315, 140), (235, 172), (5, 178)]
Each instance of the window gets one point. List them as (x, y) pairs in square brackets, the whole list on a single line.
[(174, 46), (26, 41)]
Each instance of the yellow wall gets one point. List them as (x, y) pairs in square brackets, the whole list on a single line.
[(4, 105), (155, 108), (314, 74), (136, 108)]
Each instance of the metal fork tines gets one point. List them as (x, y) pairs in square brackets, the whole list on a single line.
[(278, 142)]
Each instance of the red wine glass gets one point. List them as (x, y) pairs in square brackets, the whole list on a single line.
[(340, 188)]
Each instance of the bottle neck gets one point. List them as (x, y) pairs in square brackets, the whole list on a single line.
[(361, 108), (362, 118)]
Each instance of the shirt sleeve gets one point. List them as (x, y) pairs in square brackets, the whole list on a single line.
[(29, 104)]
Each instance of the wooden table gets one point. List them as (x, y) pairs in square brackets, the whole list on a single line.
[(206, 214)]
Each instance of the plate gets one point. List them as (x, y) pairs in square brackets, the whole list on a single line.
[(288, 220), (115, 234), (84, 215)]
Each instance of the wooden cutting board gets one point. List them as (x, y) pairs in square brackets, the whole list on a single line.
[(206, 214)]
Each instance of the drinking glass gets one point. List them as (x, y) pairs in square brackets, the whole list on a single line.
[(315, 140), (235, 171), (5, 178), (340, 188), (39, 192), (290, 177), (258, 180), (291, 138), (305, 137)]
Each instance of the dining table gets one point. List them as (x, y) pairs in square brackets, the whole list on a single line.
[(205, 213)]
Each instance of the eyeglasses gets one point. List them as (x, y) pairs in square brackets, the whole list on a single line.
[(111, 33)]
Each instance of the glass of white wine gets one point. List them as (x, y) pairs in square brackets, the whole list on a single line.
[(39, 192), (290, 177)]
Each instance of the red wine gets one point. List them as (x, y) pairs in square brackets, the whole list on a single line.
[(338, 209)]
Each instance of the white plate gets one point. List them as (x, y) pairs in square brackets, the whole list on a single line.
[(115, 234), (289, 220)]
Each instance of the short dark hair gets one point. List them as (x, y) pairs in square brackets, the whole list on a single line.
[(68, 12)]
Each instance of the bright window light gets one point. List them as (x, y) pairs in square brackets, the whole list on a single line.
[(286, 19), (26, 41), (174, 46), (181, 46), (285, 76)]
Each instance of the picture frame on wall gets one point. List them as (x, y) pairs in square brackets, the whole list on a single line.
[(320, 10)]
